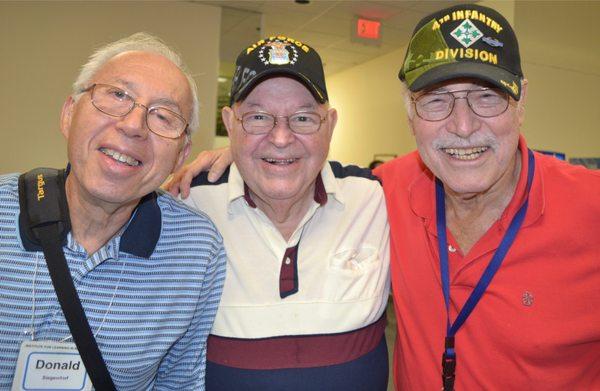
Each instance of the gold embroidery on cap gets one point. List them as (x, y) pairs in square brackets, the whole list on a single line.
[(513, 87)]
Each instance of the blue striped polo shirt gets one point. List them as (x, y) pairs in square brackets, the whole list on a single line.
[(150, 294)]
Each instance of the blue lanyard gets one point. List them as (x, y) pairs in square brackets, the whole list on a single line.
[(449, 356)]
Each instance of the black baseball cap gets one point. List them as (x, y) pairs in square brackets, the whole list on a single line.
[(278, 55), (465, 40)]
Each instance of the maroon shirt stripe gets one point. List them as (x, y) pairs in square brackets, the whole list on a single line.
[(295, 351)]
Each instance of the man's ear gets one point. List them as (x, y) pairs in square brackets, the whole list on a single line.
[(184, 153), (229, 119), (410, 109), (522, 101), (332, 118), (66, 116)]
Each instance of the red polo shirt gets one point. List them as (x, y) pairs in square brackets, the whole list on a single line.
[(537, 326)]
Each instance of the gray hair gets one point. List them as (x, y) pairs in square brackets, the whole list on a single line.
[(408, 103), (143, 42)]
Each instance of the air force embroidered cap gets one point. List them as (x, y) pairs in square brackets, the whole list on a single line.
[(463, 41), (278, 55)]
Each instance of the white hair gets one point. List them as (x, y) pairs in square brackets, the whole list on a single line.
[(408, 102), (143, 42)]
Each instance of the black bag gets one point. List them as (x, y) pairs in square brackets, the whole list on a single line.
[(45, 219)]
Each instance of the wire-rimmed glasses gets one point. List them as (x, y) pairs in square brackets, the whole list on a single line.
[(116, 102), (438, 105), (259, 122)]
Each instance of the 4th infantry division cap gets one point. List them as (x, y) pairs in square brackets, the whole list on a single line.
[(278, 55), (463, 41)]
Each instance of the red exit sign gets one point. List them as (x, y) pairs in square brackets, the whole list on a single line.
[(368, 29)]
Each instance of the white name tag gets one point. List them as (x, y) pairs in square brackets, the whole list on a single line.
[(49, 365)]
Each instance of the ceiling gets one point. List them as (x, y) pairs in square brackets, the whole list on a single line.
[(323, 24), (561, 33)]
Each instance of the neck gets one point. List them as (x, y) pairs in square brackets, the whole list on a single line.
[(285, 214), (93, 223), (469, 216)]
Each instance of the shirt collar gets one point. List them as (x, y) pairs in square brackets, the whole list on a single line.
[(140, 236), (422, 194), (325, 184)]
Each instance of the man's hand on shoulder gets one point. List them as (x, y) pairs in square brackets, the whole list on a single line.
[(214, 161)]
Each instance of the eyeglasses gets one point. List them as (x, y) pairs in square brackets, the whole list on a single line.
[(437, 106), (117, 102), (258, 122)]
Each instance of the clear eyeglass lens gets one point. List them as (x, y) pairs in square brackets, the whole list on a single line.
[(112, 100), (304, 122), (489, 102), (258, 123), (165, 122)]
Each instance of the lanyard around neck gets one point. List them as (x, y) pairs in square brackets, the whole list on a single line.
[(449, 356)]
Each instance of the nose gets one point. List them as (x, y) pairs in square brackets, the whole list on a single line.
[(281, 135), (133, 124), (463, 121)]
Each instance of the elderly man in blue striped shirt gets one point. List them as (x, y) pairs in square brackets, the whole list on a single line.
[(148, 270)]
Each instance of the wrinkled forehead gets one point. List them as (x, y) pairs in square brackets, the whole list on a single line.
[(145, 73)]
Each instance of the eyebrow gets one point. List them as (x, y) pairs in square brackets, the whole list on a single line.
[(253, 105)]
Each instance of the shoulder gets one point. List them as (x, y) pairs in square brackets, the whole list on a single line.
[(341, 172), (181, 219), (354, 185), (202, 179), (189, 242), (568, 179), (9, 183), (9, 215), (9, 191), (401, 170)]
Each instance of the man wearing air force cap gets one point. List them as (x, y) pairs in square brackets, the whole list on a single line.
[(494, 247), (307, 239), (474, 199)]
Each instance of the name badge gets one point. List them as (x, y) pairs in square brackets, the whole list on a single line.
[(50, 365)]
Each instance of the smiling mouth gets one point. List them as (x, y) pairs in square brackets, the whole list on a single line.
[(279, 162), (120, 157), (465, 153)]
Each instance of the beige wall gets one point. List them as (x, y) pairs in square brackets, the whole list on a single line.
[(43, 44), (564, 88), (371, 115), (561, 60)]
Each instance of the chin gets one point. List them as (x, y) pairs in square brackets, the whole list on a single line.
[(470, 187), (280, 195)]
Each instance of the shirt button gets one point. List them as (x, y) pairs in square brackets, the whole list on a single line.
[(451, 248), (288, 261)]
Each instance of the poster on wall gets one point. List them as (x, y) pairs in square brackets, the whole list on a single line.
[(592, 163), (558, 155), (380, 158)]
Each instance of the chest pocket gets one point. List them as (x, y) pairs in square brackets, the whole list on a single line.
[(353, 274)]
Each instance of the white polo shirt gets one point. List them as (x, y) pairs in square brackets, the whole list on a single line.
[(342, 267)]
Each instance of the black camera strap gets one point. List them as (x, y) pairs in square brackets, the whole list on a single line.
[(44, 209)]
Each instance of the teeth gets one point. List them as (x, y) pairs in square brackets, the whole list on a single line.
[(279, 161), (120, 157), (466, 153)]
